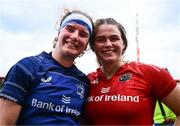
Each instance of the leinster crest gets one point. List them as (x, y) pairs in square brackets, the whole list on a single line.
[(80, 90)]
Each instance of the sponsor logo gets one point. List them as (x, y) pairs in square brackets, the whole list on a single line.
[(105, 90), (66, 99), (54, 107), (8, 97), (113, 98), (96, 81), (48, 80)]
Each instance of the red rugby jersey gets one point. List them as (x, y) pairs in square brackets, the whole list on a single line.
[(128, 98)]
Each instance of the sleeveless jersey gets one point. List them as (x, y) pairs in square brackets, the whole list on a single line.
[(48, 92), (129, 97)]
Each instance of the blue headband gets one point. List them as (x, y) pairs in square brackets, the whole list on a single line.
[(78, 18)]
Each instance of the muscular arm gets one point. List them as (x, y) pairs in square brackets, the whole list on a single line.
[(9, 112), (173, 102)]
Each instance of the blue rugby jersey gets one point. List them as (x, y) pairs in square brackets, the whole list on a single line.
[(48, 92)]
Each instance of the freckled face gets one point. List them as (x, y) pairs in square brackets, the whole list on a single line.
[(108, 43)]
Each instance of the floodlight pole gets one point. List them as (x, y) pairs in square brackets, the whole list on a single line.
[(137, 39)]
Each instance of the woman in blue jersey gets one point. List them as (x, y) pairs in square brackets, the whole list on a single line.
[(121, 92), (48, 89)]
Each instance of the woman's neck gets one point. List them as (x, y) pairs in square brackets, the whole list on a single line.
[(110, 69), (64, 61)]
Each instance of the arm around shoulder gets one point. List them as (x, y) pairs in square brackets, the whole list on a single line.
[(9, 112)]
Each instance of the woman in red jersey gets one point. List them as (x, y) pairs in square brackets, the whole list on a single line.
[(121, 92)]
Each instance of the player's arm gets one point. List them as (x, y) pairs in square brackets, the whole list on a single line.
[(9, 112), (173, 102)]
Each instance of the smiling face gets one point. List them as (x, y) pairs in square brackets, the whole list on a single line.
[(73, 39), (108, 44)]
